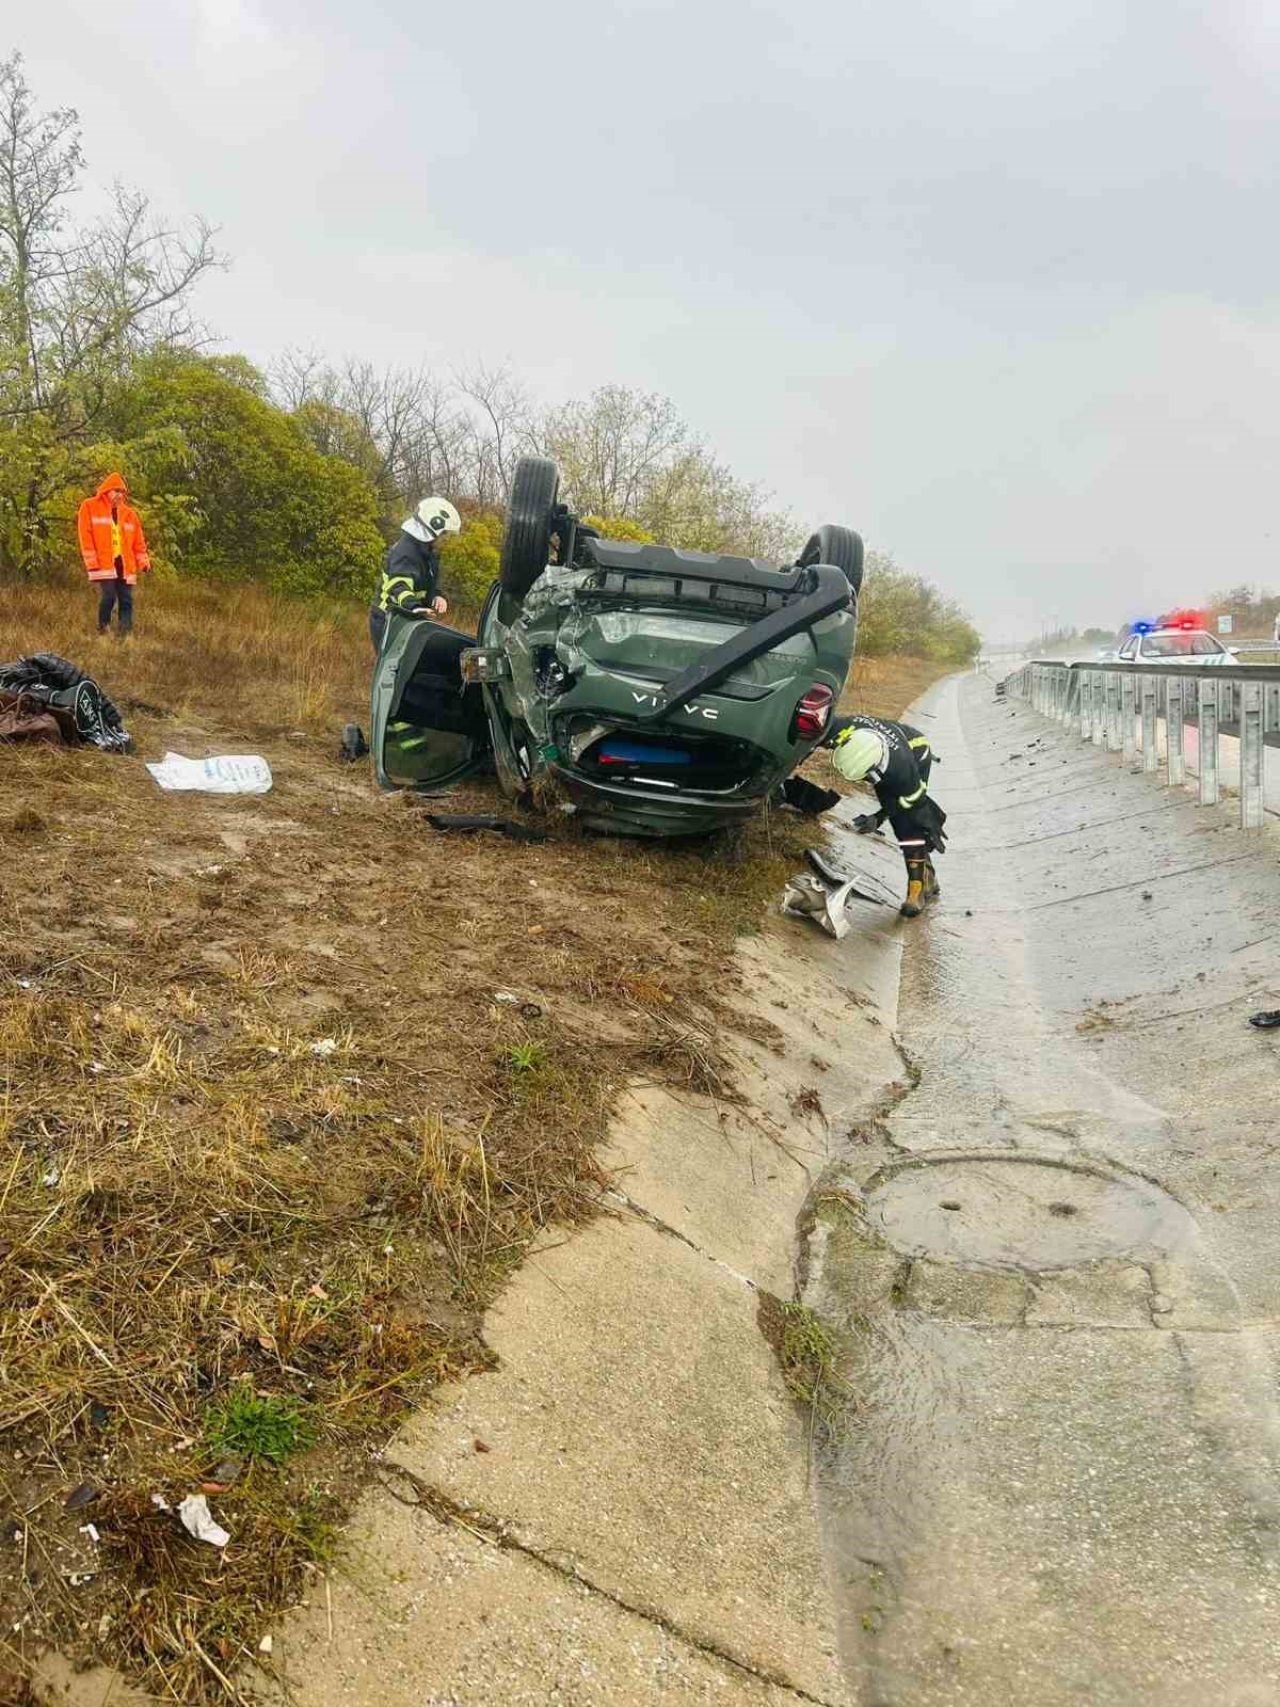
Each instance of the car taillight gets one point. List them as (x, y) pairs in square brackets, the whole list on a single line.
[(812, 713)]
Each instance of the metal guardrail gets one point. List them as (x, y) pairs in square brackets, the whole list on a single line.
[(1120, 708)]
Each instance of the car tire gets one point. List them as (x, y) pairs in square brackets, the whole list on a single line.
[(526, 544), (840, 547)]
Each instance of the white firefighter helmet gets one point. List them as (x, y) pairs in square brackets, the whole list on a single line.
[(859, 751), (433, 517)]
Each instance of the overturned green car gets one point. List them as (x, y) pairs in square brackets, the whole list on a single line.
[(652, 691)]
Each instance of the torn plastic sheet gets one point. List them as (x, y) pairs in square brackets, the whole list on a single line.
[(226, 773), (199, 1521)]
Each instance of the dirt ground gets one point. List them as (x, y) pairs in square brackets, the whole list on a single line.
[(289, 1084)]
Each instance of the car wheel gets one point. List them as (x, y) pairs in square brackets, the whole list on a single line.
[(526, 544), (840, 547)]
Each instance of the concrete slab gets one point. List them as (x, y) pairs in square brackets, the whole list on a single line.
[(638, 1430), (429, 1616)]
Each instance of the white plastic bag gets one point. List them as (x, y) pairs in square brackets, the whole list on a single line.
[(199, 1521), (228, 773)]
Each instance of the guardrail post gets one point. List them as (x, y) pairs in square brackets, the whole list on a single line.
[(1175, 749), (1208, 741), (1224, 703), (1111, 713), (1251, 756), (1271, 716), (1096, 724), (1128, 712), (1150, 757), (1084, 707)]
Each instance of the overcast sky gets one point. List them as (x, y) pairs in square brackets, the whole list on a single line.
[(993, 281)]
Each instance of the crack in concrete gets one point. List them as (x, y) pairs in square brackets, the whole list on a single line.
[(1055, 794), (498, 1533), (1141, 882), (664, 1227), (1079, 829)]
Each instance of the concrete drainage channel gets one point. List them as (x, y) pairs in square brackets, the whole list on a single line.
[(1050, 1269)]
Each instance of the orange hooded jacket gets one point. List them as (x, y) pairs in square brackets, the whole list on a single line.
[(104, 538)]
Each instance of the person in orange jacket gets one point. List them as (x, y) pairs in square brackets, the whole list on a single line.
[(114, 549)]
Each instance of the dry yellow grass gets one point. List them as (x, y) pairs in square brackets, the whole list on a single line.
[(198, 1205)]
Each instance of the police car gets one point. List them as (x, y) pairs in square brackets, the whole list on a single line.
[(1176, 643)]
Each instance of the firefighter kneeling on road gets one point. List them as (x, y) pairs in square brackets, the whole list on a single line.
[(412, 570), (896, 760)]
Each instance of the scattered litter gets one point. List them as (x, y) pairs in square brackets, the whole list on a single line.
[(91, 1530), (1147, 895), (528, 1010), (482, 1445), (24, 984), (1268, 1020), (485, 821), (83, 1495), (265, 1645), (160, 1502), (227, 773), (50, 1178), (199, 1521), (96, 1067), (325, 1047)]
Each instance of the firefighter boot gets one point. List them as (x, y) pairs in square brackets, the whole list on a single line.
[(932, 888), (914, 904)]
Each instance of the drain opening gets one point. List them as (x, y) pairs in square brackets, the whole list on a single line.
[(1023, 1212)]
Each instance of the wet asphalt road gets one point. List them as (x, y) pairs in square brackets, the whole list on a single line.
[(1058, 1285)]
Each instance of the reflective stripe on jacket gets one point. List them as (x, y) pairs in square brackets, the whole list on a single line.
[(104, 537), (409, 576)]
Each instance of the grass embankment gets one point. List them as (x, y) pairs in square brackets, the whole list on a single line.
[(269, 1141)]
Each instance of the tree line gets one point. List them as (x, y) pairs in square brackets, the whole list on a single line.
[(298, 476)]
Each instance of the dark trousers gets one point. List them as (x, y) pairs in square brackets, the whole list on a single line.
[(112, 593)]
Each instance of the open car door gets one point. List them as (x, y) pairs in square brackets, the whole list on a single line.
[(428, 727)]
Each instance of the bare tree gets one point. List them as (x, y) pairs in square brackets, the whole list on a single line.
[(75, 306), (503, 423)]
